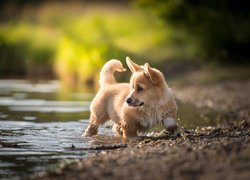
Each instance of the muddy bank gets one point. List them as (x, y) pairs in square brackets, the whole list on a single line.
[(205, 153), (229, 98), (220, 152)]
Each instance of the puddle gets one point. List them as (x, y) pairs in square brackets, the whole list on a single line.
[(38, 125), (191, 117)]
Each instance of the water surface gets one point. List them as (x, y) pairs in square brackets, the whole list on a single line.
[(38, 124)]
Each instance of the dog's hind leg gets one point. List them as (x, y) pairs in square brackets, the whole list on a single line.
[(94, 122), (92, 128)]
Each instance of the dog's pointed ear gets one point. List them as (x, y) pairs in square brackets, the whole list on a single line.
[(152, 74), (148, 71), (132, 66)]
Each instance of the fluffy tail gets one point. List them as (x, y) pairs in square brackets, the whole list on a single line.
[(107, 72)]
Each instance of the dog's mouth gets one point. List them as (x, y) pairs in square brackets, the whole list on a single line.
[(136, 104), (141, 104)]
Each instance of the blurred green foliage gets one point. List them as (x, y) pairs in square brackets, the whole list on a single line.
[(74, 42), (25, 49), (221, 28)]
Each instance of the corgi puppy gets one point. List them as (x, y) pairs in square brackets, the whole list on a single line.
[(134, 107)]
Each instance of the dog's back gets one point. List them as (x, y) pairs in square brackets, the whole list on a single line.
[(110, 95), (108, 102)]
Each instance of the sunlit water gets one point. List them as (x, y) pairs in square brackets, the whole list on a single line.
[(39, 123)]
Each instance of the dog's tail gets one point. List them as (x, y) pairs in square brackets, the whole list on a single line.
[(107, 72)]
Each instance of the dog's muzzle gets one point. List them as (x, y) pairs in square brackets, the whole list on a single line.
[(134, 102), (129, 101)]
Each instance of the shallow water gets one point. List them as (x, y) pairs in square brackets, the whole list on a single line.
[(39, 123)]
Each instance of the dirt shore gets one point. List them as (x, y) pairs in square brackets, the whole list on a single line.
[(220, 152)]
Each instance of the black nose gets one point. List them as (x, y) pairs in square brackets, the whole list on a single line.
[(129, 100)]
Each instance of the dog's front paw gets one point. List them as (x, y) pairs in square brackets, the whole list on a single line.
[(170, 124), (129, 134)]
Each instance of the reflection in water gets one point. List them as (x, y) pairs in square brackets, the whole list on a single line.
[(38, 126), (28, 147), (191, 117), (8, 86)]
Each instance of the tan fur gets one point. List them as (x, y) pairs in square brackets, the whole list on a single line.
[(148, 107)]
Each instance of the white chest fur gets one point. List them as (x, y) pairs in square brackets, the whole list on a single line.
[(151, 116)]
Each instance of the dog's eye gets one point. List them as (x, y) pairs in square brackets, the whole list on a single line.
[(139, 88)]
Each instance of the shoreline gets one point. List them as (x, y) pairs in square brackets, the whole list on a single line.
[(220, 152)]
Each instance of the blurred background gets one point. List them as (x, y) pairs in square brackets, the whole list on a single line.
[(51, 53), (71, 40)]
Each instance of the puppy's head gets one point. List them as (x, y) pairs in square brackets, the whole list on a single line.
[(147, 85)]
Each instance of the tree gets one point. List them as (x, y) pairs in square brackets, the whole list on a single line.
[(221, 26)]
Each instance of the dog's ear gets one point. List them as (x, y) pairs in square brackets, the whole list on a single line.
[(148, 71), (152, 74), (132, 66)]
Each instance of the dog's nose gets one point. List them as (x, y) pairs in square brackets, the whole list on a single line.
[(129, 100)]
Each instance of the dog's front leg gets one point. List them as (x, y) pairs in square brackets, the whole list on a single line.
[(92, 128), (169, 122), (117, 129), (128, 130)]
